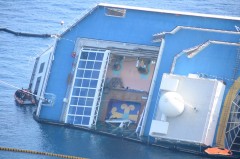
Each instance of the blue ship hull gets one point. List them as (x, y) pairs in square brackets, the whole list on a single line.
[(145, 75)]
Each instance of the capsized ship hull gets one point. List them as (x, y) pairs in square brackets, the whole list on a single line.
[(161, 77)]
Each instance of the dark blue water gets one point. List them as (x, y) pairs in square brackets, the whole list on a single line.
[(17, 127)]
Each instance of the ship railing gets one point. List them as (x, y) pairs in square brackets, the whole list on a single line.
[(159, 36), (191, 52), (100, 93), (140, 122), (151, 90)]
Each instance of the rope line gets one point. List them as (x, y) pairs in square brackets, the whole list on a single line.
[(22, 90), (39, 153), (28, 34)]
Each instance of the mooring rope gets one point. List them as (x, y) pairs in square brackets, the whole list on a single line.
[(39, 153), (28, 34), (25, 91)]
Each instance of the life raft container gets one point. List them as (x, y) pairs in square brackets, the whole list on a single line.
[(218, 151)]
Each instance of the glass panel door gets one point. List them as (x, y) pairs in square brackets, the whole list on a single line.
[(85, 90)]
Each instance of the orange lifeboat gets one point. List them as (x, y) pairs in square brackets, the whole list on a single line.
[(218, 151), (24, 97)]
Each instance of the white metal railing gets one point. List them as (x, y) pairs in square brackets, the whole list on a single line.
[(158, 37), (191, 52), (100, 93), (140, 121), (152, 88)]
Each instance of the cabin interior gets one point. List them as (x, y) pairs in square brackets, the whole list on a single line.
[(125, 93)]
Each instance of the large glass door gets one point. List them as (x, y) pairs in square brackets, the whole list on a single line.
[(87, 85)]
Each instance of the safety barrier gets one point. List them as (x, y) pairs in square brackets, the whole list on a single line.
[(39, 153), (159, 36)]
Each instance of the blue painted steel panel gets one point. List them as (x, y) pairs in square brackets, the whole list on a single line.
[(215, 60), (136, 27)]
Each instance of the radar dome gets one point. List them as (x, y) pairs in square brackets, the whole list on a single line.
[(171, 104)]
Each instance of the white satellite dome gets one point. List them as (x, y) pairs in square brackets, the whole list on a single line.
[(171, 104)]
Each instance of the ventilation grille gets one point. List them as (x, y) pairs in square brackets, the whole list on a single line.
[(115, 12)]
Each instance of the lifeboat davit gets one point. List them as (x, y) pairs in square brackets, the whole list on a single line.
[(24, 97)]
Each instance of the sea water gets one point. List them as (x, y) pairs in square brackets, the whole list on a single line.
[(18, 129)]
